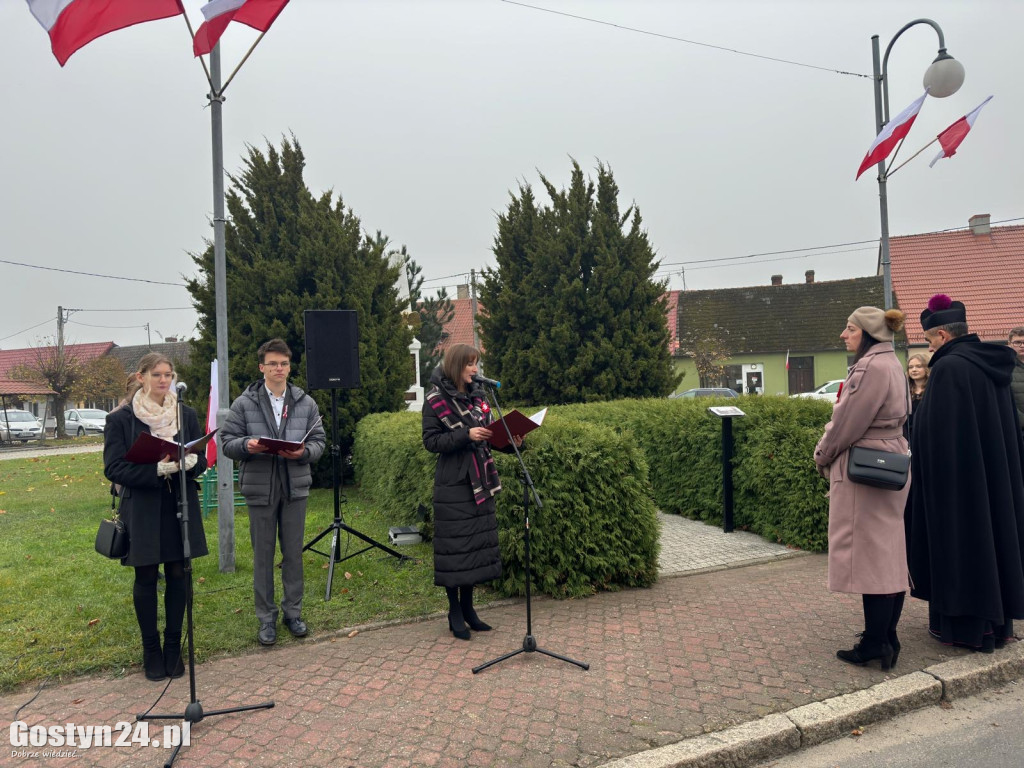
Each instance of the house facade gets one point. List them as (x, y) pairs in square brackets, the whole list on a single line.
[(770, 339)]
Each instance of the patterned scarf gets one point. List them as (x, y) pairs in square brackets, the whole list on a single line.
[(458, 410), (161, 419)]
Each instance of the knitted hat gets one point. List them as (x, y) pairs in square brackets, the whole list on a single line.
[(880, 324), (942, 310)]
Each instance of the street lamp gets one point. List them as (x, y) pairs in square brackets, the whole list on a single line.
[(943, 78)]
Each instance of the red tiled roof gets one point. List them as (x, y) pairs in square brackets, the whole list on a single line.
[(11, 387), (83, 353), (673, 321), (979, 270), (460, 327)]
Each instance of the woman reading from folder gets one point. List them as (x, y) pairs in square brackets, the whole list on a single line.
[(456, 419), (149, 506)]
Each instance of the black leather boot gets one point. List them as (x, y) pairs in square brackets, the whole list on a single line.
[(153, 658), (874, 642), (469, 613), (897, 611), (456, 622), (174, 661)]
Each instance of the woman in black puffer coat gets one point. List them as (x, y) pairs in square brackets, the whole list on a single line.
[(456, 417)]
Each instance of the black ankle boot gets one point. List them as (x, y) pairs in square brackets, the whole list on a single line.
[(866, 651), (469, 613), (174, 663), (153, 659), (456, 622), (897, 611)]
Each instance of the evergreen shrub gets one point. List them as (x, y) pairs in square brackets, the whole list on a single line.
[(597, 529)]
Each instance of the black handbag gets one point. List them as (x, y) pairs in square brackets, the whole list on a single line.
[(879, 469), (112, 536)]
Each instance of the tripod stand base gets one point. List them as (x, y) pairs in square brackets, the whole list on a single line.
[(194, 714), (334, 556), (529, 646)]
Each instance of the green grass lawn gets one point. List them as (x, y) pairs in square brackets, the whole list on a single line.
[(67, 611)]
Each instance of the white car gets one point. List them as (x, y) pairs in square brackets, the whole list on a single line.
[(827, 391), (79, 422), (19, 425)]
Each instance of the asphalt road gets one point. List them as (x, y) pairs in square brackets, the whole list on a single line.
[(984, 730), (30, 451)]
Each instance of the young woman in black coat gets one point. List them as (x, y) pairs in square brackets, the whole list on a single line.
[(456, 417), (149, 506)]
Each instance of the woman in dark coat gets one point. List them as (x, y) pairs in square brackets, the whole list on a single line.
[(455, 426), (149, 506)]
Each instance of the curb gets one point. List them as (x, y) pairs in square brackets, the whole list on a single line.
[(777, 735)]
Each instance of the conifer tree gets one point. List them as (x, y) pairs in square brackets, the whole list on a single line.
[(573, 312), (288, 251)]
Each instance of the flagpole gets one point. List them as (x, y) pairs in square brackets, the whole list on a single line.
[(225, 467), (244, 59), (922, 149), (192, 36)]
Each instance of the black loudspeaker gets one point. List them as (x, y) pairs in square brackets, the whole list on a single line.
[(332, 348)]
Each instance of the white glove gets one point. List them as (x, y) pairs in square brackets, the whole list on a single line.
[(165, 468)]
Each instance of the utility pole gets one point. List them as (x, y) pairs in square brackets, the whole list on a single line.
[(149, 341), (472, 305)]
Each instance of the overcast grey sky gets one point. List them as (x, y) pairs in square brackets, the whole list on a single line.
[(423, 115)]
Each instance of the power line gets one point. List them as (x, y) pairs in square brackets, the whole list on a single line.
[(90, 325), (684, 40), (91, 274), (45, 322), (141, 309)]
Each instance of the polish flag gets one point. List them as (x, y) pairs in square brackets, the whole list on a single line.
[(211, 416), (891, 134), (787, 359), (258, 14), (72, 24), (951, 137)]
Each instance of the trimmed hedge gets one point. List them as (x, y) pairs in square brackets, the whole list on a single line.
[(777, 490), (597, 529)]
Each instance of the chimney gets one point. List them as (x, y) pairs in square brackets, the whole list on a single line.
[(170, 339), (462, 291), (776, 279), (809, 276), (979, 224)]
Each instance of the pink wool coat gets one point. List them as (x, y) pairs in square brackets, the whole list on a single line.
[(866, 542)]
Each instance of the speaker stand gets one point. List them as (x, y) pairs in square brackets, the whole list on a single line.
[(338, 524)]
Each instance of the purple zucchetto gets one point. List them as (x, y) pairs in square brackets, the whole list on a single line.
[(942, 310)]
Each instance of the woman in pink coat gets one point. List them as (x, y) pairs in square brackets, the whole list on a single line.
[(866, 547)]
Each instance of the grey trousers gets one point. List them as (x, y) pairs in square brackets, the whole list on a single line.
[(284, 520)]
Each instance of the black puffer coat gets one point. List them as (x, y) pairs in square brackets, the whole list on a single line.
[(465, 532)]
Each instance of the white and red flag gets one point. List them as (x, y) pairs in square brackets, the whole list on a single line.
[(211, 416), (891, 134), (787, 359), (72, 24), (258, 14), (951, 137)]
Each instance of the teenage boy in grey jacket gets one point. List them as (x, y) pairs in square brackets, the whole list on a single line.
[(275, 487)]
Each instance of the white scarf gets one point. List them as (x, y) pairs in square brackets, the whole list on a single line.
[(161, 419)]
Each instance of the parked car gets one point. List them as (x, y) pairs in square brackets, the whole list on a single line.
[(706, 392), (826, 391), (19, 425), (79, 422)]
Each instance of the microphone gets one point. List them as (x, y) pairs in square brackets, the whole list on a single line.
[(484, 380), (180, 386)]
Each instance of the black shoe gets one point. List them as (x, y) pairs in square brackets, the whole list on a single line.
[(475, 623), (267, 634), (153, 661), (462, 633), (862, 653), (173, 661), (894, 641), (297, 627)]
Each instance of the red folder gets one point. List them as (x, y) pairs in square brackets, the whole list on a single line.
[(149, 449), (518, 425), (276, 447)]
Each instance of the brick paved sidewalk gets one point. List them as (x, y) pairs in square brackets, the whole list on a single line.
[(687, 656)]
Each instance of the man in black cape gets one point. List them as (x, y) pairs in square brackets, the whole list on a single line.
[(967, 487)]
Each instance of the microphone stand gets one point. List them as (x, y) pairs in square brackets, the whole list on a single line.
[(194, 711), (529, 492)]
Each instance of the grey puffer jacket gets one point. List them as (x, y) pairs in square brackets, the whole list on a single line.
[(252, 417)]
